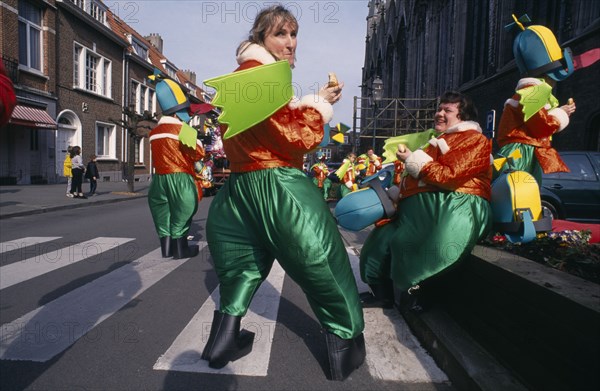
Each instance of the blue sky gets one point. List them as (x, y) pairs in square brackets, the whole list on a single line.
[(203, 35)]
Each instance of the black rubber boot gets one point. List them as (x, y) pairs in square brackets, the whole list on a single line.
[(380, 296), (165, 247), (345, 355), (416, 300), (183, 250), (226, 342)]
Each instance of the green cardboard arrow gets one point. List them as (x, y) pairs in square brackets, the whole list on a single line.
[(250, 96), (413, 141), (188, 135), (533, 98)]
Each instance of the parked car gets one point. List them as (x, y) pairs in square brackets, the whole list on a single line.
[(574, 195)]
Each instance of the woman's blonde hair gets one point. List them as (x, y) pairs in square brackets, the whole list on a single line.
[(271, 18)]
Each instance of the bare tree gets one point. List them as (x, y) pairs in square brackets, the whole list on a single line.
[(137, 126)]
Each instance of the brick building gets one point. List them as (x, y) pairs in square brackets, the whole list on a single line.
[(419, 49), (28, 44), (75, 67)]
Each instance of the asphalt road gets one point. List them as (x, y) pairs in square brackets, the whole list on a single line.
[(86, 303)]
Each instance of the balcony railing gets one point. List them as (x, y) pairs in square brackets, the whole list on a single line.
[(12, 68)]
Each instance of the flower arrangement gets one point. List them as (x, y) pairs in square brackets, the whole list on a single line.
[(569, 251)]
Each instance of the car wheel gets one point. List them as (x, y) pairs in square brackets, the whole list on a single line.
[(551, 208)]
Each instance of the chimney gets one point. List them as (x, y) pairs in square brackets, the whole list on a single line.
[(156, 41), (190, 75)]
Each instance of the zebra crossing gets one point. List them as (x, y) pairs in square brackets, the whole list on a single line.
[(393, 354)]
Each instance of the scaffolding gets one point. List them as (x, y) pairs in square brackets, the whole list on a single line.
[(374, 122)]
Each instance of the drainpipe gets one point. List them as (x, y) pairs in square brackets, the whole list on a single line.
[(125, 102)]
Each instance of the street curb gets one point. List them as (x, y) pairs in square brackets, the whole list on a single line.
[(66, 207)]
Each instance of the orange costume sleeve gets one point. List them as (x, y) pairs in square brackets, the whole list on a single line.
[(461, 163)]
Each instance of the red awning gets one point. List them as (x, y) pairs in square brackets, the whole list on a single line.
[(32, 117)]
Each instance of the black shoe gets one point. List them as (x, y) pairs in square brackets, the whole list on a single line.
[(368, 300), (380, 296), (82, 196), (226, 341), (414, 300), (345, 355), (183, 250), (166, 249)]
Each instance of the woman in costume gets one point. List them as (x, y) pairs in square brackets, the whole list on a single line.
[(443, 206), (268, 209)]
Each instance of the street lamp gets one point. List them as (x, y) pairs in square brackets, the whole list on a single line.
[(377, 87)]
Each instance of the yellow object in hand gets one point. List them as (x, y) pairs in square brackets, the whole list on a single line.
[(333, 81)]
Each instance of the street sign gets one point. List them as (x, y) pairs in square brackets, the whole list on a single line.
[(490, 124)]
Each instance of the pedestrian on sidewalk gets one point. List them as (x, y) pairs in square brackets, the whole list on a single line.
[(67, 170), (92, 174), (77, 168), (268, 209)]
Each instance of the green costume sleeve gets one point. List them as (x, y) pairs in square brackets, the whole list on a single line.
[(413, 141), (250, 96)]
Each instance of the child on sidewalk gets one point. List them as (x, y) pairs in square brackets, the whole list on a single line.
[(92, 174)]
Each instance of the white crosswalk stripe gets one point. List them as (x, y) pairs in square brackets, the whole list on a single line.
[(48, 330), (393, 353), (56, 258), (184, 354), (25, 242)]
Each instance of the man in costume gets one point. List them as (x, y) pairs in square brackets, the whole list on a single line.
[(173, 196), (268, 209), (320, 176), (532, 115), (373, 163), (347, 174), (442, 207)]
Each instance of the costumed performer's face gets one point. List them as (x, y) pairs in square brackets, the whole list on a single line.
[(281, 41), (446, 116)]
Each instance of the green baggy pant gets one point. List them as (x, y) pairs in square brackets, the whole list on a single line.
[(173, 201), (264, 215)]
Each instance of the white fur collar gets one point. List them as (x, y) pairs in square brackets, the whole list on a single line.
[(252, 51), (529, 81), (168, 119), (463, 126)]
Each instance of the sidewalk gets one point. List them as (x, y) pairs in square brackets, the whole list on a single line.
[(23, 200)]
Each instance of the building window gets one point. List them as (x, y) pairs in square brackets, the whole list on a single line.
[(91, 63), (97, 12), (139, 49), (139, 151), (106, 141), (96, 9), (142, 97), (91, 71), (30, 35), (76, 55)]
